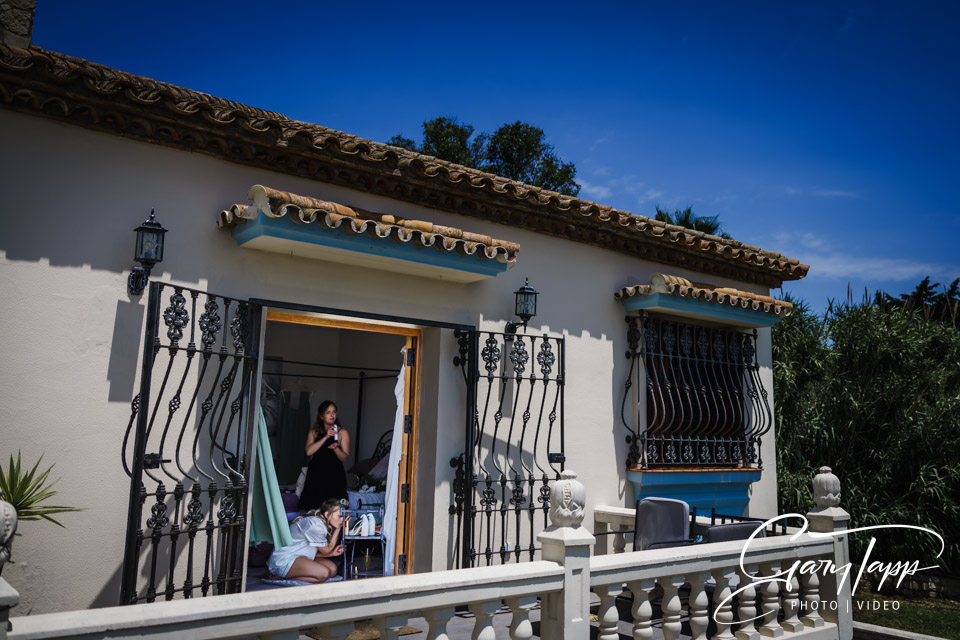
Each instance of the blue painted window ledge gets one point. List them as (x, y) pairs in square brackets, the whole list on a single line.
[(726, 490), (282, 235)]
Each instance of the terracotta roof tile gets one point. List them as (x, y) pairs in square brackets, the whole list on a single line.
[(331, 215), (683, 288), (63, 87)]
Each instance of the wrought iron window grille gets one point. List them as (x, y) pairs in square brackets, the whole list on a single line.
[(699, 402)]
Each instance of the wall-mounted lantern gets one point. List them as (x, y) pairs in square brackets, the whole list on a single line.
[(148, 252), (525, 306)]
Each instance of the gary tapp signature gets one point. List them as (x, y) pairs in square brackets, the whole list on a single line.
[(901, 569)]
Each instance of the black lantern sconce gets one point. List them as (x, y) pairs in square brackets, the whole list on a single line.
[(148, 252), (525, 306)]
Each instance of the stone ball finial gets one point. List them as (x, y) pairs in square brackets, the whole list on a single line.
[(826, 488), (8, 527), (568, 497)]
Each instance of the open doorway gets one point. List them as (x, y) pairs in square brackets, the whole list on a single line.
[(370, 370)]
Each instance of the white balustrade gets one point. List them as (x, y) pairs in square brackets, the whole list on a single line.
[(520, 626), (609, 616), (682, 577), (686, 575), (747, 611), (437, 620), (699, 606)]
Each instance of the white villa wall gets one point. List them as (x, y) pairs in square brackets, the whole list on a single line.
[(71, 334)]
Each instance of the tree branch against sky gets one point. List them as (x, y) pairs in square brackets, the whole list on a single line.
[(518, 151)]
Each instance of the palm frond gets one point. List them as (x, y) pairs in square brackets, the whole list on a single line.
[(28, 491)]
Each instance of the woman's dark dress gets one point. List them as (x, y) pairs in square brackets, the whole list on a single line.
[(326, 478)]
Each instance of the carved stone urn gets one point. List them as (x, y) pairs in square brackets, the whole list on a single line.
[(8, 526), (568, 496), (826, 488)]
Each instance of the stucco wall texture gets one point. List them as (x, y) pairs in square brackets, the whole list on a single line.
[(71, 334)]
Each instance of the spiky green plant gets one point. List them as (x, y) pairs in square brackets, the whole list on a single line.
[(27, 491)]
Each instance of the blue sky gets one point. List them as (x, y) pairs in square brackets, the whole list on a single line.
[(827, 131)]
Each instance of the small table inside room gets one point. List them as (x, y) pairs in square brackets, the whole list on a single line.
[(364, 555)]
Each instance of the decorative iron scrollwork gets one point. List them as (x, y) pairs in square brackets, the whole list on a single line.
[(670, 454), (491, 356), (176, 317), (228, 510), (544, 498), (210, 323), (158, 518), (463, 343), (519, 356), (686, 340), (239, 327), (545, 358), (650, 335), (194, 517), (517, 497), (488, 500), (669, 337), (633, 337), (736, 454), (721, 453), (459, 485)]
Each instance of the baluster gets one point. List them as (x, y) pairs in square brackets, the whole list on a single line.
[(390, 626), (723, 603), (608, 615), (671, 606), (335, 630), (748, 605), (810, 593), (642, 610), (770, 602), (438, 619), (520, 625), (619, 540), (699, 606), (791, 607), (483, 619)]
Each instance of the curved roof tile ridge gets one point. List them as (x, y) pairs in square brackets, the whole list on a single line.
[(278, 131), (683, 288), (305, 210)]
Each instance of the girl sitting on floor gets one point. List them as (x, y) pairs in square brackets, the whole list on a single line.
[(316, 552)]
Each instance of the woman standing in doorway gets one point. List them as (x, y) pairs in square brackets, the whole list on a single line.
[(329, 445)]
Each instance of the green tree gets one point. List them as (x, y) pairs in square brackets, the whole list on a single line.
[(873, 391), (686, 219), (936, 302), (517, 151)]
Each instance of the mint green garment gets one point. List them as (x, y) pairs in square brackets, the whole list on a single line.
[(269, 521)]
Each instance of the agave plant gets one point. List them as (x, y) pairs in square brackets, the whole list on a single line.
[(27, 491)]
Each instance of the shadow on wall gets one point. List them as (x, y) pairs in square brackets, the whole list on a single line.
[(109, 595), (124, 362)]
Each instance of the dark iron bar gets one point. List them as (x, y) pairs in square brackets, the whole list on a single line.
[(496, 481), (703, 399), (220, 423)]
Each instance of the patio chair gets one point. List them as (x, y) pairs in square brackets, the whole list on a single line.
[(732, 531), (661, 522)]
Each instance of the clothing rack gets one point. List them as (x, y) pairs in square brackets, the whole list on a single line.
[(361, 378)]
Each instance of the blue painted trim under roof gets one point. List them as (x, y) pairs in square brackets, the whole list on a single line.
[(726, 490), (314, 235), (722, 312)]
